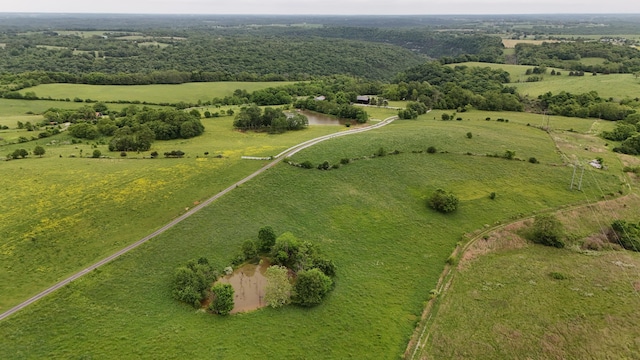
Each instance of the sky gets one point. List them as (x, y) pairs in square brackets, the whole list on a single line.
[(325, 7)]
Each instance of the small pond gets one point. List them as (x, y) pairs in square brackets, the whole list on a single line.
[(322, 119), (248, 283)]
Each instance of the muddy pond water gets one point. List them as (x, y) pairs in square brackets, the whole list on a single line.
[(248, 283), (321, 119)]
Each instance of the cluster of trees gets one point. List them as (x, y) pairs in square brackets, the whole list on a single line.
[(300, 273), (274, 120), (191, 282), (413, 110), (444, 87), (313, 272), (137, 128), (336, 108), (583, 105)]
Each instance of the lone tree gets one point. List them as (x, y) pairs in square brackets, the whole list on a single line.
[(547, 230), (311, 287), (443, 201), (39, 150), (266, 238), (278, 289), (222, 299)]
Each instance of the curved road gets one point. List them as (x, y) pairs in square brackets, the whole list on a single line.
[(289, 152)]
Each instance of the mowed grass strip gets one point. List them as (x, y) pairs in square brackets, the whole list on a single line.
[(59, 214), (369, 216), (189, 92)]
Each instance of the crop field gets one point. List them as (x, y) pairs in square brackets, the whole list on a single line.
[(74, 210), (189, 92), (369, 216), (521, 300)]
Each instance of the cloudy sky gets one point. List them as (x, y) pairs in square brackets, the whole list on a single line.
[(332, 7)]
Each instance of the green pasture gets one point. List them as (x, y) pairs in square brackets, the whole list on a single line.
[(74, 210), (617, 86), (11, 107), (369, 216), (189, 92), (593, 61), (507, 305)]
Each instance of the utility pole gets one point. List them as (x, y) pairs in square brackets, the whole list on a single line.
[(580, 182), (573, 177)]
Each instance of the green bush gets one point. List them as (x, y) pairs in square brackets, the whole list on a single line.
[(443, 201), (626, 234), (547, 230), (432, 150), (311, 287), (222, 303)]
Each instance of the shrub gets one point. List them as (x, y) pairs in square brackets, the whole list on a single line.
[(381, 152), (123, 154), (311, 287), (533, 160), (278, 289), (492, 196), (96, 153), (445, 117), (222, 299), (558, 276), (443, 202), (547, 230), (469, 135), (154, 154), (174, 154), (306, 165), (509, 154), (345, 161), (626, 234), (250, 249), (432, 150), (266, 238), (324, 166)]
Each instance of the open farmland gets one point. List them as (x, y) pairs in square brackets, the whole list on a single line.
[(370, 216), (74, 211), (189, 92), (617, 86)]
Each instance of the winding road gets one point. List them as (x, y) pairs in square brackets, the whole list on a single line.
[(276, 159)]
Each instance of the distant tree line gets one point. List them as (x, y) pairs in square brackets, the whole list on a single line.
[(567, 55)]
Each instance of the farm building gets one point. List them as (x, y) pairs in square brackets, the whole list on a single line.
[(363, 99)]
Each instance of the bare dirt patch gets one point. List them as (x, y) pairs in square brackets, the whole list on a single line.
[(505, 238)]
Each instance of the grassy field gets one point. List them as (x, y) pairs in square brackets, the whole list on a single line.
[(504, 303), (190, 92), (618, 86), (10, 107), (74, 211), (369, 216)]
